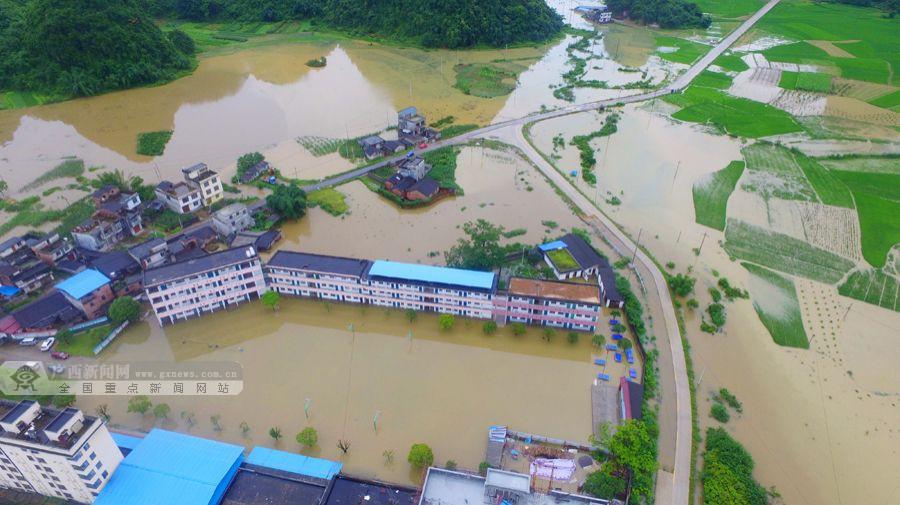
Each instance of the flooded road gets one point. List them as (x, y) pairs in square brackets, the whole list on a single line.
[(439, 388)]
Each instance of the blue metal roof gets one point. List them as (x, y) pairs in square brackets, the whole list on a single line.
[(9, 291), (552, 246), (83, 283), (126, 441), (426, 273), (294, 463), (169, 467)]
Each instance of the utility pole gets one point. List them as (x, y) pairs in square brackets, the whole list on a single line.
[(636, 245), (702, 240), (677, 167)]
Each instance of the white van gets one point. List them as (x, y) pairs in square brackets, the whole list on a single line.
[(28, 341), (48, 344)]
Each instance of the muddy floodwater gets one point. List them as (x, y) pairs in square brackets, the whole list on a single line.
[(821, 423), (439, 388)]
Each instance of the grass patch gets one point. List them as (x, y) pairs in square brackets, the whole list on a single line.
[(732, 62), (331, 200), (889, 101), (515, 232), (828, 187), (711, 195), (805, 81), (776, 304), (861, 163), (443, 167), (730, 8), (71, 167), (484, 80), (319, 146), (731, 115), (153, 143), (877, 197), (23, 99), (457, 129), (685, 51), (783, 253), (75, 215), (562, 259), (82, 344), (872, 286), (710, 79)]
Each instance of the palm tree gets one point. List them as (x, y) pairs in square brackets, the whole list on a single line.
[(275, 433)]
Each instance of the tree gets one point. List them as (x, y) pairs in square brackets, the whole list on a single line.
[(548, 334), (309, 437), (64, 335), (215, 420), (489, 327), (182, 41), (682, 285), (115, 178), (625, 344), (480, 249), (719, 413), (161, 411), (4, 187), (693, 304), (716, 314), (420, 456), (102, 411), (271, 299), (572, 337), (598, 340), (411, 315), (189, 418), (63, 401), (446, 321), (603, 484), (450, 465), (140, 404), (518, 329), (275, 433), (248, 161), (245, 429), (634, 447), (124, 308), (288, 201)]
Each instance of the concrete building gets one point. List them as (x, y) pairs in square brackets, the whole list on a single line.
[(446, 487), (57, 453), (89, 291), (206, 181), (566, 305), (571, 257), (180, 197), (317, 276), (151, 253), (52, 248), (190, 288), (232, 219), (118, 216)]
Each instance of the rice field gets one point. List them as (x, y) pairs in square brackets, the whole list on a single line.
[(775, 302), (877, 197), (783, 253), (834, 229), (872, 286), (732, 62), (805, 81), (679, 50), (869, 164), (729, 9), (710, 79), (319, 146), (829, 189), (890, 101), (734, 116), (775, 173), (711, 195)]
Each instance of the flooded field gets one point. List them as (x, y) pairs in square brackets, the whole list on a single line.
[(439, 388), (820, 423)]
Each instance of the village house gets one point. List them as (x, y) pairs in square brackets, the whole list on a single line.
[(411, 181), (180, 197), (150, 253), (571, 257), (595, 13), (255, 171), (262, 240), (89, 291), (117, 216), (116, 265), (51, 249), (206, 180), (372, 146), (53, 310), (10, 246), (412, 129), (191, 288), (232, 219), (630, 396), (25, 278)]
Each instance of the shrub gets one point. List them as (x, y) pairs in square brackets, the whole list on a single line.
[(731, 400), (719, 413), (549, 333), (309, 437), (489, 327), (483, 468), (450, 465), (715, 294), (420, 456), (603, 484), (446, 321), (716, 314), (518, 329), (598, 340), (682, 285), (572, 337), (123, 309)]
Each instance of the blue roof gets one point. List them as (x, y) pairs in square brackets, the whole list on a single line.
[(552, 246), (294, 463), (83, 283), (126, 441), (426, 273), (169, 467), (9, 290)]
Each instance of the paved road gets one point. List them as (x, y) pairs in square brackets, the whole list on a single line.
[(673, 488)]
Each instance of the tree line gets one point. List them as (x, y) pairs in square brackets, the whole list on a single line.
[(665, 13), (432, 23)]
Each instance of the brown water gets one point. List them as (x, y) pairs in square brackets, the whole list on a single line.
[(255, 99), (440, 388), (819, 434)]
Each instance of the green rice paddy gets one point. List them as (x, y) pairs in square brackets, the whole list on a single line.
[(729, 9), (330, 200), (776, 173), (731, 115), (806, 81), (730, 61), (711, 195), (710, 79), (487, 80), (889, 101), (877, 197), (784, 320), (872, 286), (686, 51)]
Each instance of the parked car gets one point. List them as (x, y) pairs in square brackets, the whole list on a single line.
[(59, 355), (28, 341), (48, 344), (423, 145), (56, 368)]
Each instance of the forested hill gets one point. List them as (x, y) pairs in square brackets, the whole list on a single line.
[(434, 23), (84, 47), (665, 13)]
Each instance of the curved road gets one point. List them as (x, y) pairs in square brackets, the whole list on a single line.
[(672, 488)]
